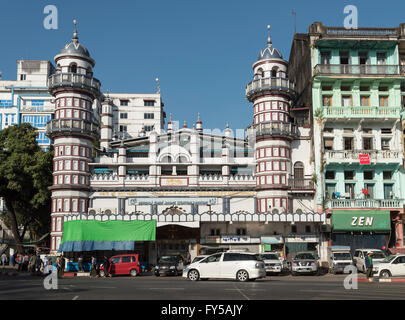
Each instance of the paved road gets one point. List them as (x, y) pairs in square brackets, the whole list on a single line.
[(176, 288)]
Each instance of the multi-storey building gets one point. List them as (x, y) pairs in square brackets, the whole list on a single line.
[(27, 99), (351, 80), (206, 190)]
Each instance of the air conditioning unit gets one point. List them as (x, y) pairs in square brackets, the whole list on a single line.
[(92, 211), (325, 228)]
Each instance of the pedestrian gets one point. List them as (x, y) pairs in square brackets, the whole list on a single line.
[(106, 266), (80, 263), (19, 260), (39, 265), (93, 272), (188, 258), (59, 266), (369, 266), (26, 260), (3, 259)]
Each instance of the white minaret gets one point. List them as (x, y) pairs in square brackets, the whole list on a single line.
[(74, 131), (106, 123), (271, 93)]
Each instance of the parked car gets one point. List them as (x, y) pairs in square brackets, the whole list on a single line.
[(360, 254), (241, 266), (169, 265), (304, 262), (272, 262), (199, 258), (391, 266), (339, 257), (126, 264)]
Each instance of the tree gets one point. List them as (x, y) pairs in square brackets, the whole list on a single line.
[(25, 176)]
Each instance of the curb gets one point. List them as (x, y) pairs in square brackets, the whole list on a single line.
[(398, 280)]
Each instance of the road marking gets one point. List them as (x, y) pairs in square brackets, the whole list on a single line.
[(75, 297), (240, 291), (166, 288)]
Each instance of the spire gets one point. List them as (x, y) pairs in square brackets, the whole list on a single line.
[(170, 124), (158, 85), (199, 124), (75, 38), (268, 36), (185, 124)]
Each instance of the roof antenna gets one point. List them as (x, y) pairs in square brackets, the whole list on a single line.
[(158, 85), (268, 36)]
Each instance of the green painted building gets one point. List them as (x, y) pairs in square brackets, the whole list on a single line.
[(350, 81)]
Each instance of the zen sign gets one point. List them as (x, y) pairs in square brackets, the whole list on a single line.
[(362, 221)]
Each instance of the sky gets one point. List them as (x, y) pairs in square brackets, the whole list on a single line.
[(202, 51)]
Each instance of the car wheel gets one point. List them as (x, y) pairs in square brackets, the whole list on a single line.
[(133, 273), (242, 275), (102, 273), (385, 274), (193, 275)]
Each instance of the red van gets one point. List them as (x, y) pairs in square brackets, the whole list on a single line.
[(124, 264)]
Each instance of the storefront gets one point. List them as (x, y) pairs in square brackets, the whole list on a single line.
[(212, 244), (299, 243), (361, 228), (272, 244)]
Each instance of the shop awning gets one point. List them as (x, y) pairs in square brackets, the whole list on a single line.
[(89, 235), (361, 220)]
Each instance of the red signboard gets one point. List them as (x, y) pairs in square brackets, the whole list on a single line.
[(364, 158)]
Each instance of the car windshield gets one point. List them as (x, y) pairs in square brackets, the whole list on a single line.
[(196, 259), (168, 259), (342, 256), (389, 259), (304, 256), (269, 256), (377, 255)]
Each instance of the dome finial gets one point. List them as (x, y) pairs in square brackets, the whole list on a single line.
[(268, 36), (75, 37)]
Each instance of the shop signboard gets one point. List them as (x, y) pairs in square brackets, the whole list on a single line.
[(272, 239), (361, 220), (172, 201), (235, 239), (364, 158), (302, 238)]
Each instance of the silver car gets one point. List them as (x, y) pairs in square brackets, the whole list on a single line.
[(272, 262), (304, 263)]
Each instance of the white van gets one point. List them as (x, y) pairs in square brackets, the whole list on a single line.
[(339, 257), (241, 266)]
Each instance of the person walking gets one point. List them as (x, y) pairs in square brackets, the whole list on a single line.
[(369, 266), (93, 272), (106, 266), (19, 260), (3, 259), (59, 266), (80, 263)]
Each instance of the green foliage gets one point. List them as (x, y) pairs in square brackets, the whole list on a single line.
[(318, 114), (25, 175)]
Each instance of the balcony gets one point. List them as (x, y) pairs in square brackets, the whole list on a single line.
[(273, 129), (365, 203), (301, 184), (64, 127), (357, 70), (74, 80), (353, 156), (361, 112), (269, 84), (48, 109)]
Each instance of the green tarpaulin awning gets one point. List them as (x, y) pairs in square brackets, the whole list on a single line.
[(361, 220), (89, 235)]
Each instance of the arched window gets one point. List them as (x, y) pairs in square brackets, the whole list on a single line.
[(182, 159), (274, 72), (260, 73), (166, 159), (298, 170), (73, 68), (89, 72)]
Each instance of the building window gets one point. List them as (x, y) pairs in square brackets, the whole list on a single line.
[(124, 102), (330, 174), (123, 128), (365, 101), (73, 68), (328, 130), (328, 143), (349, 175), (368, 175), (344, 57), (149, 116), (363, 58), (327, 101), (387, 175), (307, 229), (293, 229), (349, 190), (383, 101), (346, 101), (385, 144), (148, 128), (241, 231), (23, 77), (348, 143), (149, 103), (381, 58), (386, 131), (325, 57), (215, 232), (367, 143), (124, 115)]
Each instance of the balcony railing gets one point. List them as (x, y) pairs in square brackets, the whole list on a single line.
[(269, 83), (361, 112), (357, 69), (350, 155), (38, 109), (273, 128), (74, 80), (365, 203), (67, 126), (301, 184), (362, 32)]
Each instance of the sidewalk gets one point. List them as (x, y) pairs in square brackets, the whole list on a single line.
[(398, 280)]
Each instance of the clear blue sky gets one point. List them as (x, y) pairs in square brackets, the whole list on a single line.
[(202, 51)]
